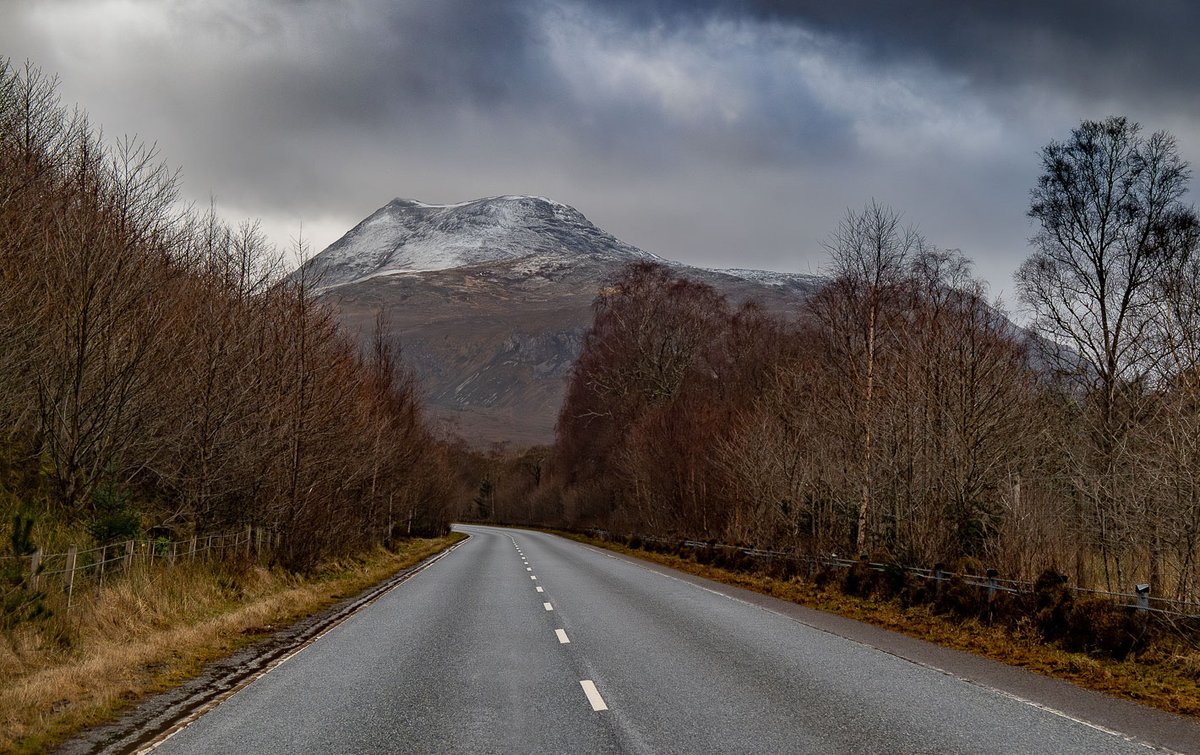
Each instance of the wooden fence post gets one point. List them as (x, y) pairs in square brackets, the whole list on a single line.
[(192, 550), (249, 531), (128, 554), (72, 552), (35, 566), (100, 569)]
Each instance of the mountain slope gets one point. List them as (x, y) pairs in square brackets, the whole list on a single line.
[(407, 236), (491, 299)]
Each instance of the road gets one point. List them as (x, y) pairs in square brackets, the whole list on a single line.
[(524, 642)]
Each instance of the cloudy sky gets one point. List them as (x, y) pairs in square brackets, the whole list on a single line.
[(712, 132)]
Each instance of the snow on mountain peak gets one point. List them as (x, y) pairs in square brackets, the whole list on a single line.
[(408, 236)]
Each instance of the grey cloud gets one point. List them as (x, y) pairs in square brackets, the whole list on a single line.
[(718, 132)]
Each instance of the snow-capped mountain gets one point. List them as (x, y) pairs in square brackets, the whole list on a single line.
[(490, 300), (407, 236)]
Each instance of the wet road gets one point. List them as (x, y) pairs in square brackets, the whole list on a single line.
[(525, 642)]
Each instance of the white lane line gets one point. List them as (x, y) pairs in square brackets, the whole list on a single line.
[(981, 685), (528, 568), (532, 577), (539, 589), (593, 695), (562, 636), (548, 607)]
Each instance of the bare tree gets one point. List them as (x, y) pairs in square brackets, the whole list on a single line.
[(1111, 227), (869, 253)]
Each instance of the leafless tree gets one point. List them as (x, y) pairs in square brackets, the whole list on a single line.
[(1111, 227), (869, 253)]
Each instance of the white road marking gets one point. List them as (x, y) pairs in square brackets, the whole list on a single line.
[(548, 607), (539, 589), (528, 568), (532, 577), (930, 666), (562, 636), (593, 695)]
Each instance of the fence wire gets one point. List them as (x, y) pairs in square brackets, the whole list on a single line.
[(1139, 599), (78, 568)]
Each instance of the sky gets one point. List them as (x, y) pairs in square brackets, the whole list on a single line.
[(716, 133)]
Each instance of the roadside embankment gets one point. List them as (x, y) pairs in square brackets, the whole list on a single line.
[(1165, 675), (157, 628)]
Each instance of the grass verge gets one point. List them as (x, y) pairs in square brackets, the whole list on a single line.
[(156, 628), (1167, 678)]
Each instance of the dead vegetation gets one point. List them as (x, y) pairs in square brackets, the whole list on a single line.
[(156, 628), (1164, 674)]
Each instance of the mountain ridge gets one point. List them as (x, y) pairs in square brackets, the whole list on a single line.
[(490, 300)]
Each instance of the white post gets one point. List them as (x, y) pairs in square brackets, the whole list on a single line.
[(35, 566), (72, 552)]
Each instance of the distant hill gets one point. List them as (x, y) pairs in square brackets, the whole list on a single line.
[(490, 300)]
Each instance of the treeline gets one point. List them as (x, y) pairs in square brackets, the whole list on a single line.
[(160, 373), (901, 414)]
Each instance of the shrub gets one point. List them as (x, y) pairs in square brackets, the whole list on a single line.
[(19, 602)]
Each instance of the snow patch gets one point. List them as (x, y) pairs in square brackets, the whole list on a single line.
[(410, 236)]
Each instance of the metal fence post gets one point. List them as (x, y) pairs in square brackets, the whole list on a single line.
[(1143, 597), (35, 566), (992, 584), (72, 552), (939, 573)]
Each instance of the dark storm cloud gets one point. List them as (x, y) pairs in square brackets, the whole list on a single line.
[(717, 132), (1091, 47)]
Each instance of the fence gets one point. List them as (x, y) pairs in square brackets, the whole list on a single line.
[(1139, 599), (78, 569)]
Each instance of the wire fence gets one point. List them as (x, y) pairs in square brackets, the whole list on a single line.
[(1138, 598), (76, 570)]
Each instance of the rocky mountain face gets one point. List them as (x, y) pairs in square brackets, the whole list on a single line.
[(490, 301)]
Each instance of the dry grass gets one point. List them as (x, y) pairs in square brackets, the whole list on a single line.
[(1168, 679), (153, 630)]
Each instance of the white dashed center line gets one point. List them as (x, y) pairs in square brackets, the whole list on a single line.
[(593, 695), (532, 577), (539, 589), (528, 568), (562, 636), (548, 607)]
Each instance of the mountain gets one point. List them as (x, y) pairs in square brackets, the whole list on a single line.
[(490, 300)]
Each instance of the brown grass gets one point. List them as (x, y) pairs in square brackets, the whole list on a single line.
[(155, 629), (1166, 677)]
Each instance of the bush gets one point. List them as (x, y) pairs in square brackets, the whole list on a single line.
[(1100, 627), (113, 519), (19, 602), (957, 598), (1052, 605)]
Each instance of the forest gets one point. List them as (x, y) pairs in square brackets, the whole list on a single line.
[(899, 413), (162, 375)]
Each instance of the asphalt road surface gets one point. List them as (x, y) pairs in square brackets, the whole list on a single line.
[(524, 642)]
